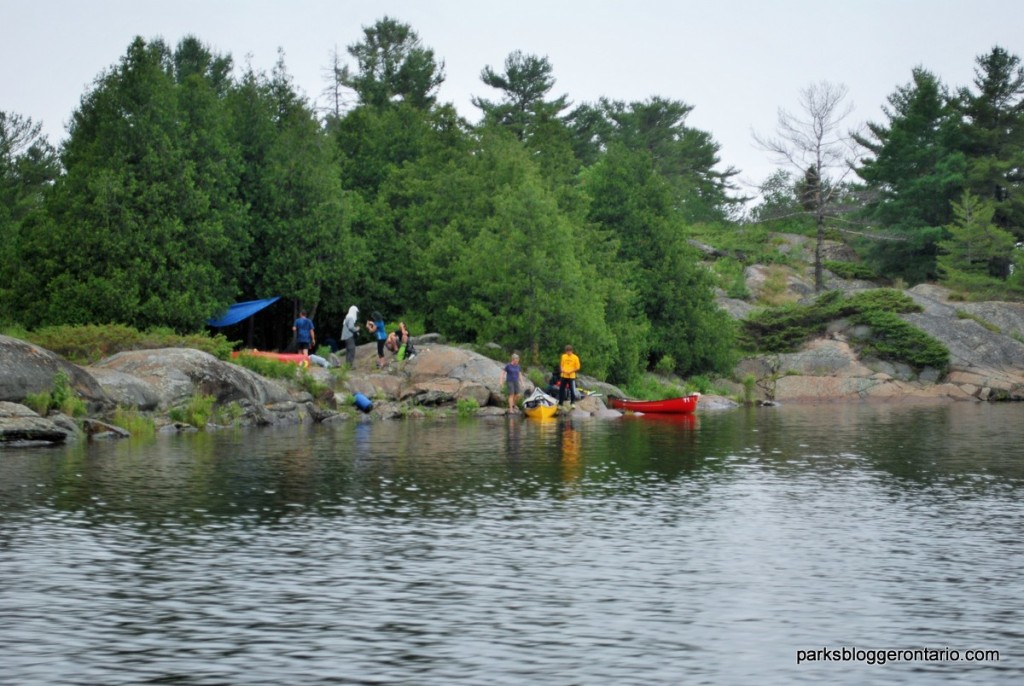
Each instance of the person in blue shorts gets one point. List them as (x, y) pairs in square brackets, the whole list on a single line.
[(305, 333)]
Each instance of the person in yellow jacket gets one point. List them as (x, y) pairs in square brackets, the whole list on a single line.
[(570, 364)]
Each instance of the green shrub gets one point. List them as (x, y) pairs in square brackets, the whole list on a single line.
[(749, 384), (89, 343), (964, 314), (850, 270), (198, 411), (537, 377), (267, 366), (39, 403), (61, 397), (134, 422), (466, 407), (699, 383), (649, 387), (731, 277), (895, 339), (666, 365), (785, 329), (309, 384), (229, 414), (982, 287), (883, 299)]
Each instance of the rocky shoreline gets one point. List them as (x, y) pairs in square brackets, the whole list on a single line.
[(154, 382), (985, 340)]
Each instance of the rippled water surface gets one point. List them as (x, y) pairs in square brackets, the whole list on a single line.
[(508, 551)]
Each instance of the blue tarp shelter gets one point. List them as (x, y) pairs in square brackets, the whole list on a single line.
[(240, 311)]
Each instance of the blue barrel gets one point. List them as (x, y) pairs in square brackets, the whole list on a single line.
[(363, 403)]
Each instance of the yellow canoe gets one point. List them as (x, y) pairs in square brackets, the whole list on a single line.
[(540, 411)]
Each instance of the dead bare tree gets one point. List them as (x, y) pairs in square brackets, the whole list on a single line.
[(814, 143), (337, 93)]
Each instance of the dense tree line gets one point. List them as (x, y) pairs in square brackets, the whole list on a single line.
[(183, 187), (937, 149)]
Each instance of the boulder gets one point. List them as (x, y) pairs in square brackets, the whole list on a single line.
[(20, 425), (438, 375), (26, 368), (126, 390), (174, 375), (758, 278)]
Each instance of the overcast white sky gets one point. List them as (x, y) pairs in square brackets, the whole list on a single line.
[(735, 61)]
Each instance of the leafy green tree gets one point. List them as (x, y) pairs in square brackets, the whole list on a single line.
[(416, 199), (405, 168), (194, 60), (508, 264), (28, 168), (299, 215), (687, 158), (630, 200), (145, 209), (393, 66), (590, 132), (780, 203), (371, 144)]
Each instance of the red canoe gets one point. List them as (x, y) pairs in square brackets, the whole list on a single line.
[(683, 405)]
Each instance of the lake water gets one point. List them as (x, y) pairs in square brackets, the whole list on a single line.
[(739, 547)]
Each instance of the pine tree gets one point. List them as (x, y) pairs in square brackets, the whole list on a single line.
[(976, 249)]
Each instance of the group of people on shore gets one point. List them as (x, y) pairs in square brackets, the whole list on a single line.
[(396, 341), (564, 378)]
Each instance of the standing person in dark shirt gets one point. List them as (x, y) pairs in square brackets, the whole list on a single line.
[(510, 374), (305, 333)]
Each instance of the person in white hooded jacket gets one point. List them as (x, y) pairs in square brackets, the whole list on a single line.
[(349, 328)]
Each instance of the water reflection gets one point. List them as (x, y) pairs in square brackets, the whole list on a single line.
[(569, 439), (653, 551)]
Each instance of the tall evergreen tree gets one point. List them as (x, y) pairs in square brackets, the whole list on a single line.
[(527, 111), (394, 66), (975, 249), (685, 157), (152, 233), (914, 170), (28, 168), (299, 216), (525, 86), (630, 200), (994, 136), (511, 266)]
